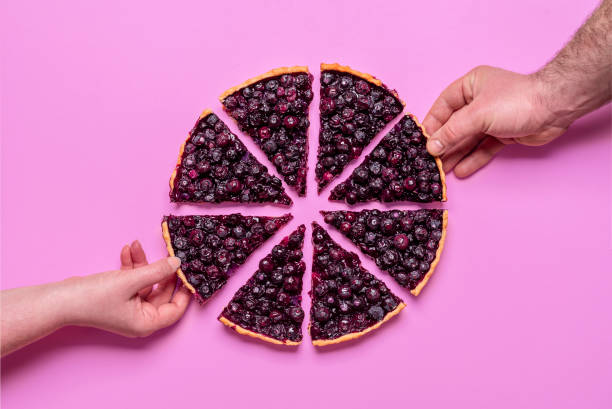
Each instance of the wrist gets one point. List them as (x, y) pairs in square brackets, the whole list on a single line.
[(556, 102), (66, 294)]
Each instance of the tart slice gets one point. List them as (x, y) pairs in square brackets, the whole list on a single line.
[(405, 243), (211, 247), (268, 306), (354, 108), (214, 166), (273, 110), (398, 169), (347, 301)]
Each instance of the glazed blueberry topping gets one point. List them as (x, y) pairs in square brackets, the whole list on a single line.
[(269, 302), (211, 246), (352, 112), (274, 112), (346, 298), (398, 169), (403, 242), (215, 167)]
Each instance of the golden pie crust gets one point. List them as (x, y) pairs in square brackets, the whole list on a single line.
[(425, 279), (348, 337), (179, 272), (204, 114), (370, 78), (250, 333), (438, 160), (272, 73)]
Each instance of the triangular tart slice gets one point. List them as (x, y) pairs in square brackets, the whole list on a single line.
[(211, 247), (268, 306), (354, 107), (405, 243), (214, 166), (347, 301), (272, 108), (398, 169)]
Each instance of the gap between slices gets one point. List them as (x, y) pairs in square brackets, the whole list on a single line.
[(399, 169), (212, 247), (347, 301), (214, 166), (354, 108), (273, 110), (407, 244), (268, 305)]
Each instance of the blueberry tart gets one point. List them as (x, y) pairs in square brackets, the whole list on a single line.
[(347, 301), (268, 306), (211, 247), (405, 243), (273, 110), (214, 166), (354, 107)]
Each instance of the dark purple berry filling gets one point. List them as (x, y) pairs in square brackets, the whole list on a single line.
[(211, 246), (352, 112), (398, 169), (270, 302), (215, 167), (403, 242), (274, 112), (346, 298)]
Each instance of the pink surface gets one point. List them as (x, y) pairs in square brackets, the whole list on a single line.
[(98, 96)]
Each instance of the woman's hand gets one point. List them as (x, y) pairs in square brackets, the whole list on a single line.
[(134, 301)]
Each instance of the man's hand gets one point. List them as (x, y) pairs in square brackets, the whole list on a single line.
[(489, 107), (486, 109)]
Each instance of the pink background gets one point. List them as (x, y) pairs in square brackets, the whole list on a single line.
[(98, 96)]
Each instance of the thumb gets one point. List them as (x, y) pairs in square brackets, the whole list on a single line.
[(462, 124), (152, 273)]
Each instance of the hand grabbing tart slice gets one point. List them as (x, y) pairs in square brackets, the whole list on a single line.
[(214, 166), (405, 243), (268, 306), (354, 108), (347, 301), (398, 169), (211, 247), (273, 110)]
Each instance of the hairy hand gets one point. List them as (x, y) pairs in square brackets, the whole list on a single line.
[(486, 109)]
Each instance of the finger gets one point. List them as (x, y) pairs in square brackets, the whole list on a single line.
[(150, 274), (451, 158), (462, 124), (140, 259), (126, 258), (138, 255), (163, 292), (479, 158), (454, 97), (171, 312)]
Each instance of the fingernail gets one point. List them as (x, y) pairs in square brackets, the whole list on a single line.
[(435, 147), (174, 262)]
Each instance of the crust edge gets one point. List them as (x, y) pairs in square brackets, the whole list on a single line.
[(364, 76), (179, 272), (348, 337), (437, 158), (244, 331), (272, 73), (204, 113), (417, 290)]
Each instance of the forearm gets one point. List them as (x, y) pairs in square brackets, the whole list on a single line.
[(30, 313), (579, 79)]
